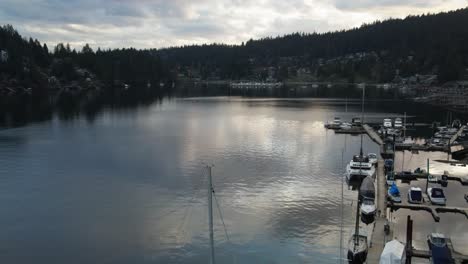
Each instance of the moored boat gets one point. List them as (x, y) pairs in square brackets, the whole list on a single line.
[(357, 247), (367, 198), (335, 124), (394, 194), (359, 168)]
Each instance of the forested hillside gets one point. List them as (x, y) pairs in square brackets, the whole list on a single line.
[(377, 52), (433, 43)]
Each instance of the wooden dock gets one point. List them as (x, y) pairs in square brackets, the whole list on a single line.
[(434, 210), (373, 135), (352, 131), (423, 176), (378, 238), (455, 137)]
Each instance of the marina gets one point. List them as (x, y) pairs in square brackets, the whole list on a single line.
[(277, 180), (381, 231)]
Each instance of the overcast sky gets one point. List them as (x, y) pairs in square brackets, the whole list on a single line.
[(163, 23)]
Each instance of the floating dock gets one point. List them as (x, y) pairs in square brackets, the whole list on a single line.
[(378, 237), (404, 146), (416, 176), (434, 210), (352, 131), (373, 135)]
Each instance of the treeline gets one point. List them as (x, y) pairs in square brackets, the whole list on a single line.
[(426, 44), (435, 43)]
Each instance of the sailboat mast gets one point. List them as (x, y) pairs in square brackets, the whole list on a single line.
[(362, 107), (210, 214), (342, 201), (356, 231), (346, 105)]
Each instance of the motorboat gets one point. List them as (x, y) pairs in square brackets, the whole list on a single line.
[(432, 178), (415, 195), (393, 194), (388, 165), (356, 121), (368, 210), (436, 196), (444, 179), (357, 247), (419, 171), (359, 168), (398, 123), (367, 198), (372, 158), (390, 178), (387, 123), (440, 252), (345, 125), (335, 124)]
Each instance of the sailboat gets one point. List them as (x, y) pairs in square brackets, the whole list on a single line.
[(357, 247), (357, 244)]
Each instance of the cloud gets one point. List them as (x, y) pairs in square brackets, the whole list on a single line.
[(162, 23)]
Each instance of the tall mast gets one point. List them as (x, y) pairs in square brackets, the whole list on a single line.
[(362, 107), (210, 214), (362, 111), (356, 231), (346, 105), (342, 201)]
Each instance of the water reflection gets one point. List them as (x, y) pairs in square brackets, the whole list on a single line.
[(129, 186)]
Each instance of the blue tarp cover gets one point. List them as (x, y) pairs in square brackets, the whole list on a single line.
[(394, 189)]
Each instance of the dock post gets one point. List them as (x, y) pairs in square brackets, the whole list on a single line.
[(427, 178), (409, 239)]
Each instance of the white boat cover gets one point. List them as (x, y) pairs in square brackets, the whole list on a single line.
[(393, 253)]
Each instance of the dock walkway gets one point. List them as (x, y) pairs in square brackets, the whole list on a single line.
[(455, 137), (378, 238), (373, 135), (423, 176), (434, 210)]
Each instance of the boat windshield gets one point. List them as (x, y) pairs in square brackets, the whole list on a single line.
[(437, 193), (360, 168), (358, 158), (368, 202), (372, 156), (416, 195)]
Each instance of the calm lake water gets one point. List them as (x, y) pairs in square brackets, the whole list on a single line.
[(129, 186)]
